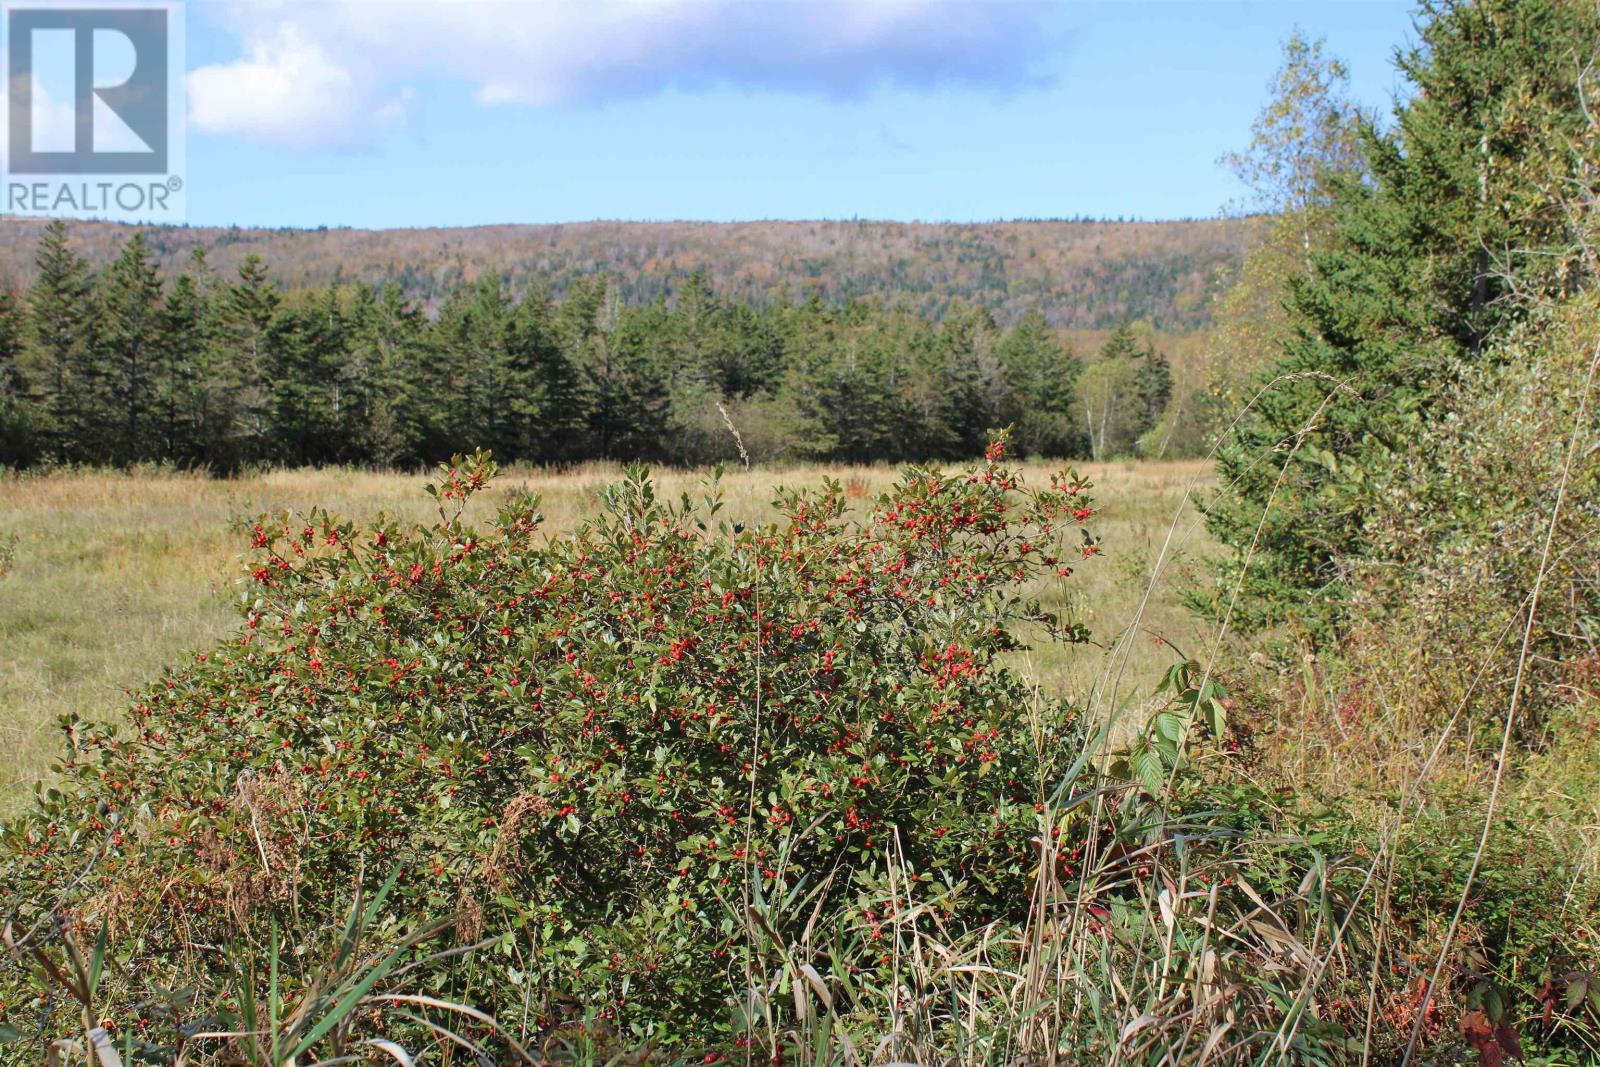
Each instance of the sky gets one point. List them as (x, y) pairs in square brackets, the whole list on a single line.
[(383, 113)]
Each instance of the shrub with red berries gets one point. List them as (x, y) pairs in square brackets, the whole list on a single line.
[(596, 749)]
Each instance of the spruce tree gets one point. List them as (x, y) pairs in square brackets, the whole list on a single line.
[(191, 399), (1114, 411), (535, 377), (247, 313), (807, 397), (1040, 398), (19, 416), (1153, 384), (1459, 214), (382, 420), (305, 360), (560, 423), (130, 343), (630, 385), (60, 320), (963, 377)]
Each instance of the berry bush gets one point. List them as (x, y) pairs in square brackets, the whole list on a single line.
[(601, 753)]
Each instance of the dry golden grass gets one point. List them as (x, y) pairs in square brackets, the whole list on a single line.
[(113, 575)]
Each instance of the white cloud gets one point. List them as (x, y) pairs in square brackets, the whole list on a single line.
[(287, 89), (320, 72), (54, 121)]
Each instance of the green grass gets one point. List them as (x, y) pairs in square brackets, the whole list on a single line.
[(111, 576)]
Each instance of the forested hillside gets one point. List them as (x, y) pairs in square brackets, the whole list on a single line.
[(118, 366), (1079, 274)]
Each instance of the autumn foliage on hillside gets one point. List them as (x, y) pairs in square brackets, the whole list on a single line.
[(1079, 274)]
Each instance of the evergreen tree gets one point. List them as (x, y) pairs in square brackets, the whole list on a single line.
[(631, 407), (246, 321), (195, 425), (131, 352), (381, 421), (964, 377), (562, 418), (60, 320), (1153, 384), (305, 357), (492, 356), (807, 398), (230, 374), (576, 332), (1040, 396), (858, 385), (537, 378), (1123, 343), (19, 418), (1114, 409), (1458, 216)]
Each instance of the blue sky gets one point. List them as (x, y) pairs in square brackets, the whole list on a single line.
[(458, 112)]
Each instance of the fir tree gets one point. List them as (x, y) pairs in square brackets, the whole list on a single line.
[(1153, 384), (381, 420), (304, 383)]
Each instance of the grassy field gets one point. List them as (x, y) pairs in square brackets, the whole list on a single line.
[(105, 577)]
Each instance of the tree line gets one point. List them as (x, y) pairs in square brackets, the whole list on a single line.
[(119, 367)]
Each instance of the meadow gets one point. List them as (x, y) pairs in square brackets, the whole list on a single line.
[(1286, 756), (106, 577)]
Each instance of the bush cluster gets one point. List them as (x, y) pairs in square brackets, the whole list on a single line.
[(603, 750)]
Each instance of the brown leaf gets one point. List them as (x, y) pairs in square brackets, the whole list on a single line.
[(1508, 1039), (1493, 1043), (1477, 1029)]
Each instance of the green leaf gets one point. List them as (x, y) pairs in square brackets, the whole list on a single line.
[(1149, 769)]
